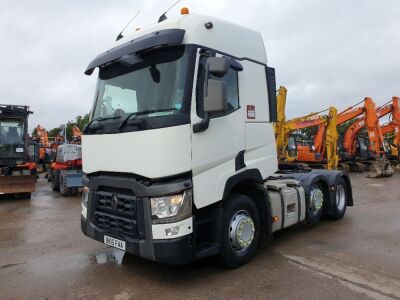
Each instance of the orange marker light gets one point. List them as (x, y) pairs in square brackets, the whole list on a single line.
[(184, 11), (275, 219)]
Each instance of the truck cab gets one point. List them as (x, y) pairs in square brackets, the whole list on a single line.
[(180, 140)]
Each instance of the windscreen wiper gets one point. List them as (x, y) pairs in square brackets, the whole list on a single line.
[(144, 112), (99, 119)]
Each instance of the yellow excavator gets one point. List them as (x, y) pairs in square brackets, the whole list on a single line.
[(287, 148)]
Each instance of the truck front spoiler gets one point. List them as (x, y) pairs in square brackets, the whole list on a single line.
[(17, 184)]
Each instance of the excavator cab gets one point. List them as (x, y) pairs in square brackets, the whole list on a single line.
[(362, 149), (12, 140), (343, 154)]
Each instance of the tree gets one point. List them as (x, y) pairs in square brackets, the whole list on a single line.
[(80, 122), (54, 132)]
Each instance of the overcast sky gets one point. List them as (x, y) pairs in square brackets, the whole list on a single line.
[(331, 52)]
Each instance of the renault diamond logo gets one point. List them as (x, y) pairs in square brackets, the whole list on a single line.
[(114, 201)]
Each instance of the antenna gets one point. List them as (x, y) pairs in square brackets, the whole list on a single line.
[(163, 17), (120, 36)]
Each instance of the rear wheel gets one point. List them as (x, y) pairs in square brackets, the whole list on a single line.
[(340, 199), (63, 188), (240, 232), (314, 203), (55, 183)]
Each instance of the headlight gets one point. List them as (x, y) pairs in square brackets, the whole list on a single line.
[(172, 208), (85, 196)]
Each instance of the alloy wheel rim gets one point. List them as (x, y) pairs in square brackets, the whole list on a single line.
[(316, 200), (340, 197), (241, 231)]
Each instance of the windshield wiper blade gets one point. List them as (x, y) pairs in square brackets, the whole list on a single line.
[(124, 121), (144, 112), (99, 119)]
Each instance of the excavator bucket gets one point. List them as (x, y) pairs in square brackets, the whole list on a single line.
[(380, 168), (396, 166), (17, 184)]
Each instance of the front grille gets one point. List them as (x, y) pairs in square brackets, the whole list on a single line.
[(118, 225), (125, 204), (117, 214)]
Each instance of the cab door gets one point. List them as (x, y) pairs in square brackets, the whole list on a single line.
[(215, 148)]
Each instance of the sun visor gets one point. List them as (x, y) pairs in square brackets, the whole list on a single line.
[(157, 38)]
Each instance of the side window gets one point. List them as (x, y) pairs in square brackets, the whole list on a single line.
[(231, 79)]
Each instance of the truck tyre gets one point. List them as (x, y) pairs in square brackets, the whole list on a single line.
[(314, 203), (340, 203), (240, 231), (55, 183), (63, 188)]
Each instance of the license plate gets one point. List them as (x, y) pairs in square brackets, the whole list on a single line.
[(114, 242)]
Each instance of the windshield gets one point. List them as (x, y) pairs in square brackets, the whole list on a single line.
[(12, 138), (152, 84), (362, 144)]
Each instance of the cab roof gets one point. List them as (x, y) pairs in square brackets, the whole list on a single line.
[(223, 36)]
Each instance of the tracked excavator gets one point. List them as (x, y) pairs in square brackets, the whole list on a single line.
[(392, 130), (315, 152), (359, 151), (288, 148)]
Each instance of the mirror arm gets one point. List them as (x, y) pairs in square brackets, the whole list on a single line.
[(202, 125)]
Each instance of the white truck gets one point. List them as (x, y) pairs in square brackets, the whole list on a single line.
[(179, 157)]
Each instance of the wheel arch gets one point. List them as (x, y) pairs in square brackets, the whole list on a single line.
[(307, 180), (249, 183), (332, 176)]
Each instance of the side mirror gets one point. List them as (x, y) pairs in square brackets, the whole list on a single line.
[(215, 91), (217, 66), (216, 98)]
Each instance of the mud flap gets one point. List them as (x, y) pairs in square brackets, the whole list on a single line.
[(17, 184), (380, 168)]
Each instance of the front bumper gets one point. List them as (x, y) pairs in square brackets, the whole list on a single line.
[(145, 239), (177, 251)]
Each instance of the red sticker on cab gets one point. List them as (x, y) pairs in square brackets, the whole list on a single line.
[(251, 112)]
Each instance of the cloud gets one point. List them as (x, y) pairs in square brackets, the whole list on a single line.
[(325, 52)]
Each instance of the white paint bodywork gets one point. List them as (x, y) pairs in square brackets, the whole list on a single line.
[(210, 155), (183, 227), (225, 36), (150, 153)]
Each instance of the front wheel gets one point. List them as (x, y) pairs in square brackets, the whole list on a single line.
[(240, 232)]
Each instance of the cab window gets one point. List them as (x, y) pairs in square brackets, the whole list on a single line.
[(231, 79)]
